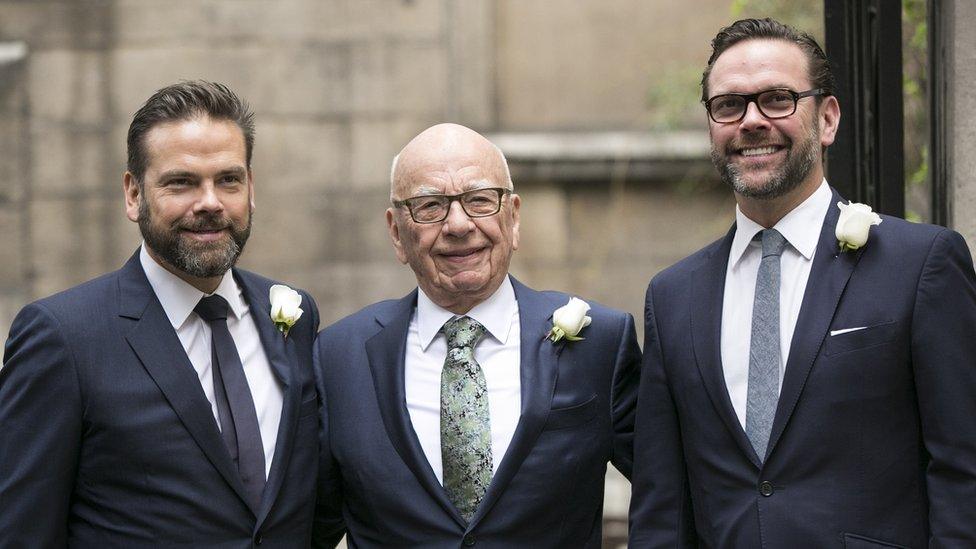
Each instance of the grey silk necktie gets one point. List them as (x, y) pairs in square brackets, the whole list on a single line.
[(764, 348), (465, 420), (235, 406)]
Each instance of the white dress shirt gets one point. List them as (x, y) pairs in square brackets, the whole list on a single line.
[(801, 228), (498, 353), (178, 299)]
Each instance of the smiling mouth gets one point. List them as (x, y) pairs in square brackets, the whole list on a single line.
[(759, 151), (461, 255), (206, 234)]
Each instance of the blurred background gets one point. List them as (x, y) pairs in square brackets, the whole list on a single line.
[(595, 103)]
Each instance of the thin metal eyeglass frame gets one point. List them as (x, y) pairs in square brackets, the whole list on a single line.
[(754, 98), (450, 199)]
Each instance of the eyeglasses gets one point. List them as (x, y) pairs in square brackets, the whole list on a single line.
[(433, 208), (776, 103)]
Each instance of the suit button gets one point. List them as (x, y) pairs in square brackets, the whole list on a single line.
[(766, 488), (258, 539), (469, 541)]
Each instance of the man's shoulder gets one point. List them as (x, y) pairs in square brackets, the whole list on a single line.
[(916, 233), (260, 281), (679, 272), (907, 243), (370, 315), (553, 299), (81, 300)]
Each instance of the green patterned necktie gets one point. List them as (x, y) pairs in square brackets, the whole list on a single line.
[(465, 420)]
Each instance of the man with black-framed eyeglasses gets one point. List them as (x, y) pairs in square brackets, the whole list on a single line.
[(809, 379), (470, 412)]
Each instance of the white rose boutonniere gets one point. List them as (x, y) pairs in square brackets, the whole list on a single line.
[(569, 320), (285, 310), (854, 224)]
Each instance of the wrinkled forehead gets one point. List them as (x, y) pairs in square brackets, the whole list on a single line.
[(448, 168)]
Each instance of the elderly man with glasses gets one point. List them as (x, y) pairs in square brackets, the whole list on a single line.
[(475, 410), (809, 379)]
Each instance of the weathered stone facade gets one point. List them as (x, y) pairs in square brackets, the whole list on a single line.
[(338, 87)]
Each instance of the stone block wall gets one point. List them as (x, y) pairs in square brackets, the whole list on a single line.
[(338, 87)]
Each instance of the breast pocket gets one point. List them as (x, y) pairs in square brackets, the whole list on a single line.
[(854, 541), (571, 416), (872, 336)]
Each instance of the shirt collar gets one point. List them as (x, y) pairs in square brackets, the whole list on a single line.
[(178, 297), (800, 227), (495, 313)]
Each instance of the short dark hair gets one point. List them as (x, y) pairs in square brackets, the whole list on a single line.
[(747, 29), (184, 101)]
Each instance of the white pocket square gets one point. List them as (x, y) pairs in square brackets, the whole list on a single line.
[(846, 330)]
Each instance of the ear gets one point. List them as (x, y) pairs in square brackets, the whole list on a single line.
[(391, 224), (516, 202), (250, 187), (829, 120), (130, 187)]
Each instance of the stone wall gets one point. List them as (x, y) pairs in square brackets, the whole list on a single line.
[(960, 20), (14, 181), (338, 87)]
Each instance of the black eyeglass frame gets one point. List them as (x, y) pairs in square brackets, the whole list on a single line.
[(754, 98), (450, 199)]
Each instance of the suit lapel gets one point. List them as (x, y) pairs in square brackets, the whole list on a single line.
[(828, 278), (159, 349), (386, 352), (708, 292), (283, 359), (538, 372)]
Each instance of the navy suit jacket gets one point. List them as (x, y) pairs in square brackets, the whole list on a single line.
[(874, 439), (578, 402), (107, 439)]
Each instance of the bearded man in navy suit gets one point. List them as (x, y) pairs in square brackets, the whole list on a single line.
[(161, 404), (808, 379), (451, 418)]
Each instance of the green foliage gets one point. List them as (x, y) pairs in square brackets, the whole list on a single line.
[(673, 98), (674, 91), (806, 15)]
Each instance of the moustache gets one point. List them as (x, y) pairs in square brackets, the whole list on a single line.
[(205, 222)]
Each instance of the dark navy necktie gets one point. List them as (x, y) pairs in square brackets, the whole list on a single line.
[(235, 406)]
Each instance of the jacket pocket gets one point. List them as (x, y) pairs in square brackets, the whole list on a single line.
[(872, 336), (854, 541), (578, 414)]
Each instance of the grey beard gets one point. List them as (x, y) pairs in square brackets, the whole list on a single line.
[(182, 255), (799, 162)]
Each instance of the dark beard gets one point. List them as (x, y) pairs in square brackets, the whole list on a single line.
[(200, 260), (800, 160)]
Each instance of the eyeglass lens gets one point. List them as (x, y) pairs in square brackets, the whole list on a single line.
[(771, 103), (476, 203)]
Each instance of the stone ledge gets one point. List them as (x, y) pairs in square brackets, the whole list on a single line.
[(589, 156)]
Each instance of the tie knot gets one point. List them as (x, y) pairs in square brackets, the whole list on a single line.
[(212, 308), (463, 331), (772, 242)]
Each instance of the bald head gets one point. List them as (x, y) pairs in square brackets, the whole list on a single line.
[(450, 145), (462, 258)]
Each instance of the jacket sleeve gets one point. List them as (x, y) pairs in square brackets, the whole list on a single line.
[(944, 362), (328, 526), (660, 503), (40, 431), (626, 377)]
